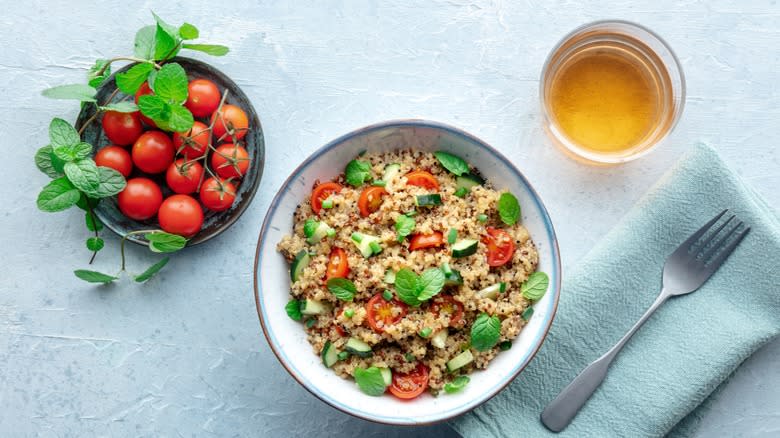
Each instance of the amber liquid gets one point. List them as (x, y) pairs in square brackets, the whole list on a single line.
[(606, 99)]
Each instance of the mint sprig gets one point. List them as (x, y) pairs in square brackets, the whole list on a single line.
[(485, 332), (415, 289)]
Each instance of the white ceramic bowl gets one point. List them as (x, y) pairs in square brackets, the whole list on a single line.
[(272, 281)]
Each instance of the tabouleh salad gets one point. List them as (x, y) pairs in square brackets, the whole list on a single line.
[(409, 271)]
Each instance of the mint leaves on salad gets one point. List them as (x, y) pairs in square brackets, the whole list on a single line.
[(485, 332), (414, 289), (357, 172), (508, 208), (370, 381), (453, 163), (535, 286)]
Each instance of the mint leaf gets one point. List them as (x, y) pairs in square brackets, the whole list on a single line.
[(406, 286), (342, 288), (95, 244), (171, 83), (125, 106), (82, 92), (151, 270), (430, 283), (180, 120), (404, 225), (43, 160), (61, 133), (111, 183), (485, 332), (169, 29), (154, 107), (130, 81), (144, 42), (164, 43), (75, 152), (160, 241), (210, 49), (94, 80), (85, 202), (58, 195), (453, 163), (293, 309), (188, 31), (357, 172), (508, 208), (92, 222), (535, 286), (94, 276), (457, 384), (370, 381), (84, 175)]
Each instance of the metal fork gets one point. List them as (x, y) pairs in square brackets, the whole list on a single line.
[(689, 267)]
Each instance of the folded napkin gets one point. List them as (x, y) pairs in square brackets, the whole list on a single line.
[(689, 347)]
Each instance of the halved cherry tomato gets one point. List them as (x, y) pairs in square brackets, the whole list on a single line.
[(340, 330), (410, 385), (381, 313), (447, 304), (370, 200), (422, 241), (321, 193), (500, 245), (338, 265), (421, 178)]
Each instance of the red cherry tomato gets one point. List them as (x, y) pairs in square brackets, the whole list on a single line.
[(217, 195), (153, 152), (321, 193), (116, 158), (410, 385), (184, 176), (230, 120), (122, 128), (500, 246), (203, 97), (421, 178), (446, 304), (193, 143), (230, 161), (180, 214), (423, 241), (140, 199), (338, 265), (380, 313), (370, 200), (144, 90)]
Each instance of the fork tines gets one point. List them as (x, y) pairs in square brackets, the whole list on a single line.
[(713, 246)]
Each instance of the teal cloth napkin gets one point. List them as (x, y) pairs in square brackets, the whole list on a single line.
[(686, 350)]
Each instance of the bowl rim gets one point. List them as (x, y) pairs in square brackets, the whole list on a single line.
[(249, 195), (397, 421)]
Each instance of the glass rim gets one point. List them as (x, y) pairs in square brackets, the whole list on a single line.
[(572, 147)]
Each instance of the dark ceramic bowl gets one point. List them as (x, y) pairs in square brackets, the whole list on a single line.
[(214, 223)]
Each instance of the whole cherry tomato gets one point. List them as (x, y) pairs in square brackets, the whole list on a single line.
[(203, 97), (193, 143), (153, 152), (140, 199), (180, 214), (217, 194), (115, 157), (122, 128), (230, 120), (230, 161), (184, 176)]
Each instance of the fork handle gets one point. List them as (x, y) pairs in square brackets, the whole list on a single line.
[(561, 411)]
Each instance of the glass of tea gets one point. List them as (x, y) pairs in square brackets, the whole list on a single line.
[(611, 91)]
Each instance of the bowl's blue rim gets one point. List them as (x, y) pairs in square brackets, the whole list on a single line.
[(403, 421)]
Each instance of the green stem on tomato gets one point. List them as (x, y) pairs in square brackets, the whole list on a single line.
[(209, 145)]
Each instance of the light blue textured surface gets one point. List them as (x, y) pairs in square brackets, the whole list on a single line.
[(686, 349), (184, 353)]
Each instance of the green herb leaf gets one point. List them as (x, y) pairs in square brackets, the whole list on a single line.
[(85, 202), (84, 175), (404, 225), (430, 283), (94, 80), (508, 208), (92, 222), (94, 276), (535, 287), (504, 346), (76, 152), (81, 92), (453, 163), (126, 106), (188, 31), (61, 133), (406, 286), (43, 160), (210, 49), (485, 332), (164, 43), (370, 381), (357, 172), (342, 288), (111, 183), (144, 42), (171, 83), (293, 309), (130, 81), (160, 241), (95, 244), (154, 107), (152, 270), (456, 385), (180, 119), (58, 195)]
